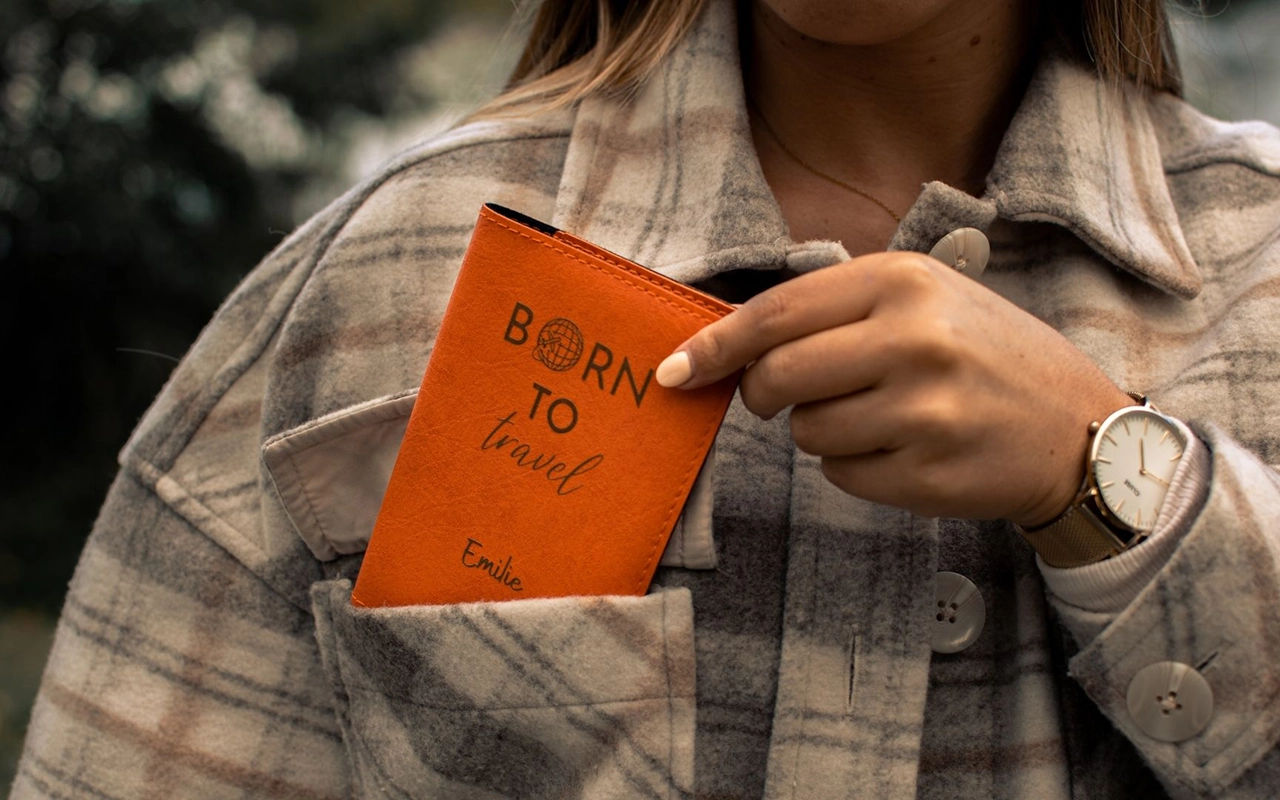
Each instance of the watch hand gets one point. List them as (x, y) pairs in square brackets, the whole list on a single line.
[(1142, 459), (1156, 478)]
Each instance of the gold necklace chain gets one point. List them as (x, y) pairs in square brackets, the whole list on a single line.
[(811, 168)]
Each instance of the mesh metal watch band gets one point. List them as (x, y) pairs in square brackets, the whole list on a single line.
[(1075, 539)]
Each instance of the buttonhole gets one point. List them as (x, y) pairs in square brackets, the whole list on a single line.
[(1201, 666), (851, 675)]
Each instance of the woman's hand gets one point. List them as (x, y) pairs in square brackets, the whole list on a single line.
[(918, 387)]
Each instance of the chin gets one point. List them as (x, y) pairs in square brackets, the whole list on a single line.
[(857, 22)]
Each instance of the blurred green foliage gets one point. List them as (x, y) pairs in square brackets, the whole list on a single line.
[(24, 643)]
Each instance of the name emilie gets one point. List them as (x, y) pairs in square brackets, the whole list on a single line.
[(500, 571)]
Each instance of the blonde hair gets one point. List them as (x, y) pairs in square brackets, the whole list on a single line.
[(1124, 39), (577, 48)]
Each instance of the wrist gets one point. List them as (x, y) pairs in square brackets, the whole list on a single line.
[(1068, 474), (1059, 502)]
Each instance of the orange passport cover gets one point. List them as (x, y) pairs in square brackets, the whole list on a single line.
[(542, 458)]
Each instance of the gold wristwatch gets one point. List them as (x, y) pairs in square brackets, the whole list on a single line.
[(1131, 460)]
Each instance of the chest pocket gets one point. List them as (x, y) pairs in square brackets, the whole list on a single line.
[(555, 698)]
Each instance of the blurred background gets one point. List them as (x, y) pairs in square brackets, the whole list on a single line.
[(151, 151)]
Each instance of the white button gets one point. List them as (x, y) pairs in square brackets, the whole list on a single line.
[(959, 614), (1170, 701), (965, 249)]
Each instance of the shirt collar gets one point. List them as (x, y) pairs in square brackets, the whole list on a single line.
[(670, 179), (1084, 154)]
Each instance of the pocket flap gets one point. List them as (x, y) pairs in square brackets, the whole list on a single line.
[(331, 473)]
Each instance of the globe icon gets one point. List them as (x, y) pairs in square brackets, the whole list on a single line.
[(559, 344)]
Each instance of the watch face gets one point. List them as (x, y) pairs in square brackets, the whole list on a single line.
[(1134, 456)]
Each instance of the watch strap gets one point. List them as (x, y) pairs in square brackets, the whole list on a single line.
[(1076, 538)]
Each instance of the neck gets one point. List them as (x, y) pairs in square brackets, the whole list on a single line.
[(896, 111)]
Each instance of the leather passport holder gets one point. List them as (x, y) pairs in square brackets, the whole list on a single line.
[(542, 458)]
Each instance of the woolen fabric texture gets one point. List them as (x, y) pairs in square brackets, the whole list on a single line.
[(205, 650)]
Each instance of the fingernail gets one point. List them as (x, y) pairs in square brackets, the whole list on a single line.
[(675, 370)]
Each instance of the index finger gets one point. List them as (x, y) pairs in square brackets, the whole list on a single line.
[(810, 303)]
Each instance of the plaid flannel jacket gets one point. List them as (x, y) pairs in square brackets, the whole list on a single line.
[(208, 649)]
